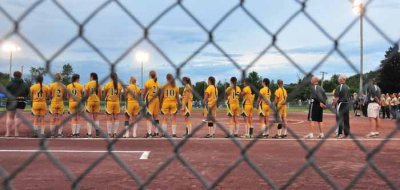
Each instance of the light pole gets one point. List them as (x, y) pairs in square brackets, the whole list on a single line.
[(10, 48), (359, 9), (142, 57), (323, 78)]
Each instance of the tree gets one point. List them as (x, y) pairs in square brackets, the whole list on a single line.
[(67, 73), (389, 71), (4, 78), (255, 79), (34, 72)]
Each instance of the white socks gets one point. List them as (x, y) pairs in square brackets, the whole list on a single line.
[(60, 129), (42, 129), (174, 129), (78, 129), (73, 128), (116, 126), (89, 128), (134, 129), (109, 127), (149, 127)]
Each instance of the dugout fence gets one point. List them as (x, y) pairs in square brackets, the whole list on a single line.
[(8, 176)]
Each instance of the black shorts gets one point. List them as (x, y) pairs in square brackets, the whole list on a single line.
[(13, 105), (315, 112)]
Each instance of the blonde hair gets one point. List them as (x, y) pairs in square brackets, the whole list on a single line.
[(58, 77), (132, 80)]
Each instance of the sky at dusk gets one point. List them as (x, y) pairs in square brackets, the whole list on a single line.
[(178, 36)]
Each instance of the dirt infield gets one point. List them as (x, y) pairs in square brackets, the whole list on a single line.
[(341, 160)]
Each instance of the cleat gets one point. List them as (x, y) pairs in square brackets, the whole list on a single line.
[(109, 135), (97, 133), (115, 135), (208, 136), (148, 136), (321, 136), (174, 136), (277, 136), (236, 135), (371, 135), (228, 136), (283, 136), (88, 136), (265, 136), (309, 136), (245, 136), (78, 135)]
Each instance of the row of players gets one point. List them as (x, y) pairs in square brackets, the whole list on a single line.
[(158, 99)]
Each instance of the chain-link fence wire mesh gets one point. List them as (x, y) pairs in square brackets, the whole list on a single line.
[(240, 5)]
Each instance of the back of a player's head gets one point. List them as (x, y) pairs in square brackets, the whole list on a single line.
[(17, 75), (94, 76), (153, 75), (171, 79), (186, 80), (75, 77), (39, 79), (233, 80), (211, 79), (266, 81), (58, 77), (132, 80), (114, 78), (280, 82), (246, 81)]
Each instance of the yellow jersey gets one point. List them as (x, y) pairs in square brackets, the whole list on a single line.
[(265, 93), (282, 95), (170, 92), (57, 91), (112, 94), (75, 91), (90, 89), (152, 89), (248, 97), (133, 93), (212, 93), (187, 94), (233, 95), (39, 94)]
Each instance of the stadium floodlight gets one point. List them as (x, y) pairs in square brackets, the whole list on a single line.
[(10, 48), (142, 57), (359, 9)]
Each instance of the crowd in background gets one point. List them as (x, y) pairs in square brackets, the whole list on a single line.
[(390, 105)]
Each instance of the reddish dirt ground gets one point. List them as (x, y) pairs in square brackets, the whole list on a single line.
[(279, 159)]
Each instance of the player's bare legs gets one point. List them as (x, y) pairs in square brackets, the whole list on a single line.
[(9, 122), (115, 121), (173, 123)]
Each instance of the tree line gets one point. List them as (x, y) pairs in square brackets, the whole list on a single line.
[(387, 74)]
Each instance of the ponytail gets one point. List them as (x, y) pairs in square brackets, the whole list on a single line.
[(75, 77), (114, 78), (95, 78), (39, 79), (234, 82), (153, 75), (171, 79)]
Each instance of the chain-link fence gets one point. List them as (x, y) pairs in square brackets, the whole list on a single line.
[(244, 157)]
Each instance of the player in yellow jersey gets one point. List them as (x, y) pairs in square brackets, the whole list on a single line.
[(39, 94), (169, 101), (211, 103), (132, 108), (93, 94), (280, 102), (57, 94), (75, 94), (113, 91), (151, 96), (264, 101), (232, 95), (187, 101), (248, 100)]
